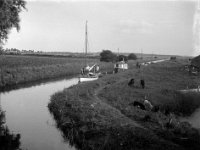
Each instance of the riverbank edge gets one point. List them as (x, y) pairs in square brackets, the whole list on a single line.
[(36, 82), (79, 109)]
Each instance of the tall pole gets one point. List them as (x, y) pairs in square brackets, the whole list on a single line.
[(86, 42), (118, 54)]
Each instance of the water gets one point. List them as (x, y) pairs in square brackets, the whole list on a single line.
[(27, 114), (194, 119)]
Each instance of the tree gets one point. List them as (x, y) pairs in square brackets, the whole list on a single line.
[(1, 50), (9, 16), (132, 56), (122, 58), (107, 56)]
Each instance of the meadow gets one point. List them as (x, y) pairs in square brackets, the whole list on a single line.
[(17, 69), (100, 113)]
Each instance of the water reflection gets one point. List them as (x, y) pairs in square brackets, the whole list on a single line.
[(27, 114), (32, 84)]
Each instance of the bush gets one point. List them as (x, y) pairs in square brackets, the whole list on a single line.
[(107, 56), (1, 50), (196, 61), (184, 103), (122, 57), (132, 56)]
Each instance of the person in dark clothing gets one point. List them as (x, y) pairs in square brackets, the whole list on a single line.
[(131, 82), (138, 65), (155, 109), (116, 70), (142, 82), (138, 105), (83, 71)]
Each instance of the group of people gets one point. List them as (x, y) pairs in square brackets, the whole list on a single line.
[(145, 105), (170, 121), (132, 82), (89, 70), (84, 70)]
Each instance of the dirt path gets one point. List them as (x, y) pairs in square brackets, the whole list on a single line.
[(124, 119)]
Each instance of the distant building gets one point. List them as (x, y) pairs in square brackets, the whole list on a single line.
[(122, 65)]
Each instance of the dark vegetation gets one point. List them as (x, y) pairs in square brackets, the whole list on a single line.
[(100, 114), (1, 50), (132, 56), (9, 16), (16, 69), (196, 61), (122, 58), (8, 141), (108, 56)]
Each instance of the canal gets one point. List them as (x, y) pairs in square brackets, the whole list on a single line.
[(27, 114)]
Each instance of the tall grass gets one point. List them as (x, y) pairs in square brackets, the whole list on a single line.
[(183, 104), (22, 69), (162, 81), (89, 123)]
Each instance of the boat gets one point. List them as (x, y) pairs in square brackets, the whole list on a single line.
[(88, 73)]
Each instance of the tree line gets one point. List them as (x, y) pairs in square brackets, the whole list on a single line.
[(109, 56)]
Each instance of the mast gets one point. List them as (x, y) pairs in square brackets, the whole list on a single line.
[(86, 42), (118, 52)]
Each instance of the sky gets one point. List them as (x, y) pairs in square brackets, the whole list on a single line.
[(158, 27)]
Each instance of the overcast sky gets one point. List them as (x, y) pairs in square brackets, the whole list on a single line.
[(160, 27)]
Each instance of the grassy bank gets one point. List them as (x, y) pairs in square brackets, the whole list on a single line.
[(163, 80), (100, 114), (16, 70)]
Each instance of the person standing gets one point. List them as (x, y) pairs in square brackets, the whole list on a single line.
[(142, 82)]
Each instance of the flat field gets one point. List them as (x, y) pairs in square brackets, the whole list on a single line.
[(16, 69)]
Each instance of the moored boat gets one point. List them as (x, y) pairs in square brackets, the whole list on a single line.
[(86, 79), (88, 73)]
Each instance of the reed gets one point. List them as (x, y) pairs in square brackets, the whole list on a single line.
[(16, 70)]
